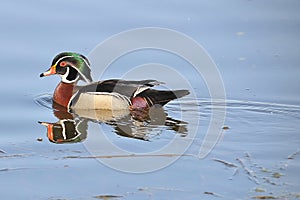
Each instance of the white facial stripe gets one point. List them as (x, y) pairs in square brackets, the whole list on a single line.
[(62, 58), (87, 64), (64, 77), (85, 79)]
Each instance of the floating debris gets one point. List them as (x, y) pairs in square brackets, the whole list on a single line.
[(234, 173), (225, 127), (276, 175), (14, 155), (292, 156), (264, 197), (39, 139), (230, 165), (107, 196), (12, 169), (269, 181), (160, 188), (227, 164), (212, 193), (247, 155), (259, 190), (297, 195), (251, 175), (263, 169)]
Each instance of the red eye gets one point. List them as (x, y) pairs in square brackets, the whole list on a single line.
[(63, 64)]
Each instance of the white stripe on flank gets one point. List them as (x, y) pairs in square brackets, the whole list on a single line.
[(140, 89)]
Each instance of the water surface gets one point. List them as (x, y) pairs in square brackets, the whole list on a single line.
[(255, 46)]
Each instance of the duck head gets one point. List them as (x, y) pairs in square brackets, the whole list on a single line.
[(71, 67)]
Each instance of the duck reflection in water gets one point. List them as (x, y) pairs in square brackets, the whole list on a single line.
[(127, 105), (72, 126)]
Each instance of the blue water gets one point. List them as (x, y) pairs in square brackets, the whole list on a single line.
[(255, 46)]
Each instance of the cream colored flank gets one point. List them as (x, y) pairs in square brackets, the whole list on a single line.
[(102, 101)]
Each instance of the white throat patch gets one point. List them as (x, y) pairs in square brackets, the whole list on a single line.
[(64, 77)]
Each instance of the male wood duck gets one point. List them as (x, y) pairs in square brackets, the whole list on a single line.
[(113, 94)]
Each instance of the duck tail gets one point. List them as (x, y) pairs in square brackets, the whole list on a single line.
[(162, 97)]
